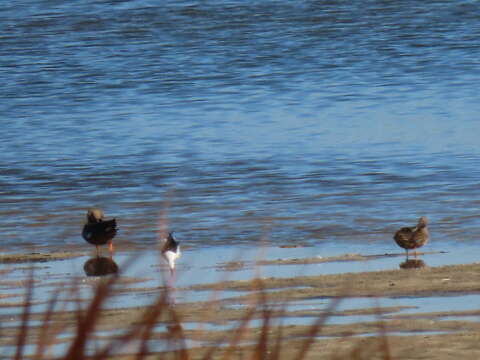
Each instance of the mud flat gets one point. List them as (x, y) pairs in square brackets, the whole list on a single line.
[(461, 345), (398, 331), (427, 281), (339, 258), (36, 257)]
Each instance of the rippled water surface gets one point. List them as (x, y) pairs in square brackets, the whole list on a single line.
[(304, 121)]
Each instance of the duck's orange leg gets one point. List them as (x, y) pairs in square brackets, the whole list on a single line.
[(110, 247)]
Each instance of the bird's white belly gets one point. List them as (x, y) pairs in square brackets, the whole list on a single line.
[(171, 257)]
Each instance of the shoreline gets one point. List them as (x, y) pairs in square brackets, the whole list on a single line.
[(328, 290)]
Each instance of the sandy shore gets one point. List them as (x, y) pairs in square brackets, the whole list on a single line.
[(425, 281), (439, 335), (36, 257)]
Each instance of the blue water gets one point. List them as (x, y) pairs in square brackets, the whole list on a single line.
[(304, 121)]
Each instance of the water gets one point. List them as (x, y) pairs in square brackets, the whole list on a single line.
[(306, 121), (198, 266)]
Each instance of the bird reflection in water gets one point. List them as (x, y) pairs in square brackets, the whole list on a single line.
[(412, 264), (176, 337), (100, 266)]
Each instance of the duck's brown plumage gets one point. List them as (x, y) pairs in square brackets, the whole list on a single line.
[(98, 231), (413, 237)]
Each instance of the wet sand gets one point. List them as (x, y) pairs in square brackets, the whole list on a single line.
[(439, 335), (461, 345), (36, 257), (345, 257), (426, 281)]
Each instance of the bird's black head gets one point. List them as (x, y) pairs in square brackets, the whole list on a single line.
[(171, 240)]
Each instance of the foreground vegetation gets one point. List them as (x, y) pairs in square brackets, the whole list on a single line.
[(162, 330)]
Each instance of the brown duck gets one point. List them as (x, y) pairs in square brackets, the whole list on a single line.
[(98, 231), (413, 237)]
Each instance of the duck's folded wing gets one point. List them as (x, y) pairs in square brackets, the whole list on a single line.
[(403, 234), (110, 227)]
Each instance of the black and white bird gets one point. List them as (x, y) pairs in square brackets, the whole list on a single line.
[(170, 251), (98, 231)]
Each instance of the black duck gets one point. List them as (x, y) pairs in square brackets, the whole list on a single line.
[(98, 231)]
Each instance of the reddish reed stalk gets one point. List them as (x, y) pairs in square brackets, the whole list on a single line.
[(315, 330), (44, 338), (86, 323), (27, 305)]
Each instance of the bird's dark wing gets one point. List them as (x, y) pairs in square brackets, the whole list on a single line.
[(101, 232), (170, 244)]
